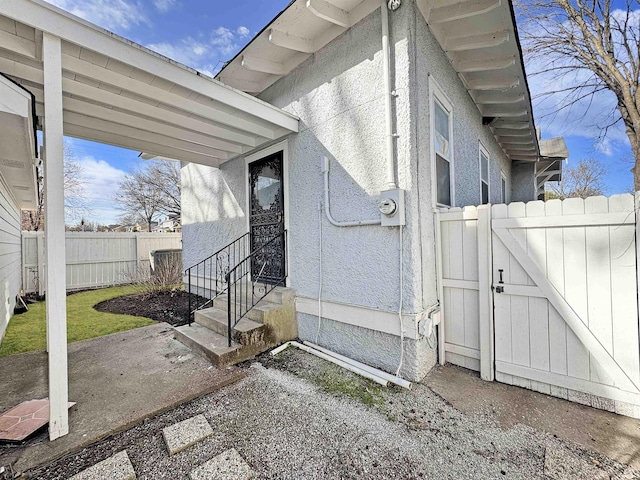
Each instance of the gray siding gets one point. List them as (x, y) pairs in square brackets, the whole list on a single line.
[(10, 248)]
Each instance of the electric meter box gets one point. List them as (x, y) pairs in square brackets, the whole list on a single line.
[(391, 205)]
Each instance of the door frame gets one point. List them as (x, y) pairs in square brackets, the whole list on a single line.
[(283, 147)]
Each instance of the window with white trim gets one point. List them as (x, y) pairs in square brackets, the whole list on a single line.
[(441, 147), (484, 176)]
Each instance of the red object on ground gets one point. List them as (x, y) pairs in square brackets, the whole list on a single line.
[(23, 420)]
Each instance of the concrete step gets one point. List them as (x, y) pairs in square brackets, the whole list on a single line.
[(116, 467), (183, 434), (256, 313), (246, 332), (207, 343), (280, 295)]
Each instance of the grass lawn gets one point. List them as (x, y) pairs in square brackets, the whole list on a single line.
[(27, 332)]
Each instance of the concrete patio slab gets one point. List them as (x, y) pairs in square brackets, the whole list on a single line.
[(186, 433), (229, 465), (116, 467), (613, 435), (117, 380)]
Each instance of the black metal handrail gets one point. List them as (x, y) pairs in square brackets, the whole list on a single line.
[(211, 274), (240, 296)]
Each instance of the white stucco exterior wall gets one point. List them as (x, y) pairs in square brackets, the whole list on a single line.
[(338, 95), (10, 255)]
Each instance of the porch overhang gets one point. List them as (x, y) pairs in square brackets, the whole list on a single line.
[(123, 94), (18, 150), (479, 37)]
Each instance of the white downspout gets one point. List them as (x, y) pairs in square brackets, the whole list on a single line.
[(388, 94)]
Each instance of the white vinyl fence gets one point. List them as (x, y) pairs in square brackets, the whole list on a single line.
[(543, 295), (93, 259)]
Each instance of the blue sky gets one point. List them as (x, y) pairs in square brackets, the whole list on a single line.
[(203, 34)]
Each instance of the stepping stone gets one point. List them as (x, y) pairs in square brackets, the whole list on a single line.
[(229, 465), (116, 467), (186, 433), (24, 419)]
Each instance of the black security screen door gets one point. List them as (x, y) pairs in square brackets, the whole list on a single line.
[(266, 219)]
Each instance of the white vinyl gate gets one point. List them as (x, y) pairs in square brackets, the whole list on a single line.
[(543, 295)]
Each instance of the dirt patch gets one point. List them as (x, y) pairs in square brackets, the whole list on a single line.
[(166, 306)]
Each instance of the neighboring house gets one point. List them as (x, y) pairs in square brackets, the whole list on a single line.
[(444, 119), (18, 157), (169, 224)]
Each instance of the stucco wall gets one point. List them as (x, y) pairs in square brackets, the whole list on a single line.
[(10, 255), (522, 179), (338, 95)]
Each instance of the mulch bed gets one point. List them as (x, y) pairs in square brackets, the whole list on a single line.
[(165, 306)]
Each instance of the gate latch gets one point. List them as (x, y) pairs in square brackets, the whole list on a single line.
[(499, 289)]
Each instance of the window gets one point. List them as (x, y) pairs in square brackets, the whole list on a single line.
[(442, 149), (484, 176), (503, 188)]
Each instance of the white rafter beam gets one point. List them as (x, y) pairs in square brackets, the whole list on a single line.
[(105, 97), (264, 66), (508, 141), (476, 42), (329, 12), (71, 118), (291, 42), (485, 65), (492, 84), (491, 98), (500, 111), (17, 44), (461, 10), (136, 144), (104, 75)]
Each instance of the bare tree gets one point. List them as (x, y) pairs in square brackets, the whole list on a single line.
[(75, 195), (150, 191), (590, 46), (584, 180), (139, 200), (164, 176)]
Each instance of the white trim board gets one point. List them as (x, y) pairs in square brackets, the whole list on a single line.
[(371, 318)]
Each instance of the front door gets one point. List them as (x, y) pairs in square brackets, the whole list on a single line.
[(266, 219)]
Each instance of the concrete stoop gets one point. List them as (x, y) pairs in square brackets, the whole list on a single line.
[(269, 323), (229, 465)]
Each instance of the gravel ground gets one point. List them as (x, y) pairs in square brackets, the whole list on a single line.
[(296, 416)]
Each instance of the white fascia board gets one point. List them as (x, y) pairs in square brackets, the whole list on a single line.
[(46, 17), (14, 100)]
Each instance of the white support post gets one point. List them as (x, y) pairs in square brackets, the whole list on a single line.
[(55, 238), (485, 294)]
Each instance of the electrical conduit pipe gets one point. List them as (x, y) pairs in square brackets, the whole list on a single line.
[(329, 358), (401, 382)]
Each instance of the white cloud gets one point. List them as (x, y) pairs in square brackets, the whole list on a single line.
[(206, 53), (101, 182), (116, 15), (164, 6)]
